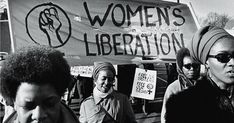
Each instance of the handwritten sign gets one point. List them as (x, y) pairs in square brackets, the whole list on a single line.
[(85, 71), (103, 30), (144, 85)]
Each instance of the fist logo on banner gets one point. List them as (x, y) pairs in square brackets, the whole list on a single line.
[(51, 22)]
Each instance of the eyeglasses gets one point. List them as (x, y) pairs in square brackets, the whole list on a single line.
[(191, 65), (223, 57)]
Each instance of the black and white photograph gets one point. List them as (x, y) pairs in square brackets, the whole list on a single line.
[(116, 61)]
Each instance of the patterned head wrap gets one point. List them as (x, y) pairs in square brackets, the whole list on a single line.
[(203, 40), (98, 66)]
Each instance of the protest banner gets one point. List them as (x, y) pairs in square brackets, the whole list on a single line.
[(144, 84), (103, 30)]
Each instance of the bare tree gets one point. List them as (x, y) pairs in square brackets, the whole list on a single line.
[(215, 19)]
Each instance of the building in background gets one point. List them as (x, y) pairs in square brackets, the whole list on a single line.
[(5, 42)]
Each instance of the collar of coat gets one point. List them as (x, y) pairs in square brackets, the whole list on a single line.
[(98, 100)]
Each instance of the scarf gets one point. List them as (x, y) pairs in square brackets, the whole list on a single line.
[(184, 81), (101, 95)]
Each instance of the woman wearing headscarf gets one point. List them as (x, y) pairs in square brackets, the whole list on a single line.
[(188, 73), (211, 100), (106, 105)]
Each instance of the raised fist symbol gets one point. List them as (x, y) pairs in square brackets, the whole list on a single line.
[(53, 25), (50, 24)]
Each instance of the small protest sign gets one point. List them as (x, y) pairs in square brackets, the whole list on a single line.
[(144, 84), (85, 71)]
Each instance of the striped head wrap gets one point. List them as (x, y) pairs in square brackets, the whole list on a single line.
[(98, 66), (203, 40)]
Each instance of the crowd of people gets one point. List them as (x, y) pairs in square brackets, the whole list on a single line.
[(33, 80), (211, 99)]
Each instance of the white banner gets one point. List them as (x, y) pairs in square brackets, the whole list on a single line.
[(144, 85), (103, 30)]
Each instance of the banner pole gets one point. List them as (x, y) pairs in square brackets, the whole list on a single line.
[(194, 15), (10, 28)]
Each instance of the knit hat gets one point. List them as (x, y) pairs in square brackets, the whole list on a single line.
[(98, 66), (203, 40)]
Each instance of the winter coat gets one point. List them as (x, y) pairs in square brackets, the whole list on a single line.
[(203, 103), (66, 115), (114, 108)]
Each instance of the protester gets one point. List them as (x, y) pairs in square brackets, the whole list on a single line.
[(68, 95), (80, 88), (211, 100), (172, 73), (4, 15), (84, 87), (105, 105), (34, 78), (188, 73), (5, 106), (5, 109)]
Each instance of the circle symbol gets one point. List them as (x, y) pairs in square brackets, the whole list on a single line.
[(48, 24), (150, 86)]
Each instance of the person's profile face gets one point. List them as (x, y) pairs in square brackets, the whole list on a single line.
[(221, 68), (191, 68), (105, 80), (37, 103)]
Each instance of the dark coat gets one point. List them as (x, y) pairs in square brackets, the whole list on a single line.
[(202, 103), (66, 115)]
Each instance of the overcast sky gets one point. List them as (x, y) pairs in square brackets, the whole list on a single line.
[(203, 7)]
